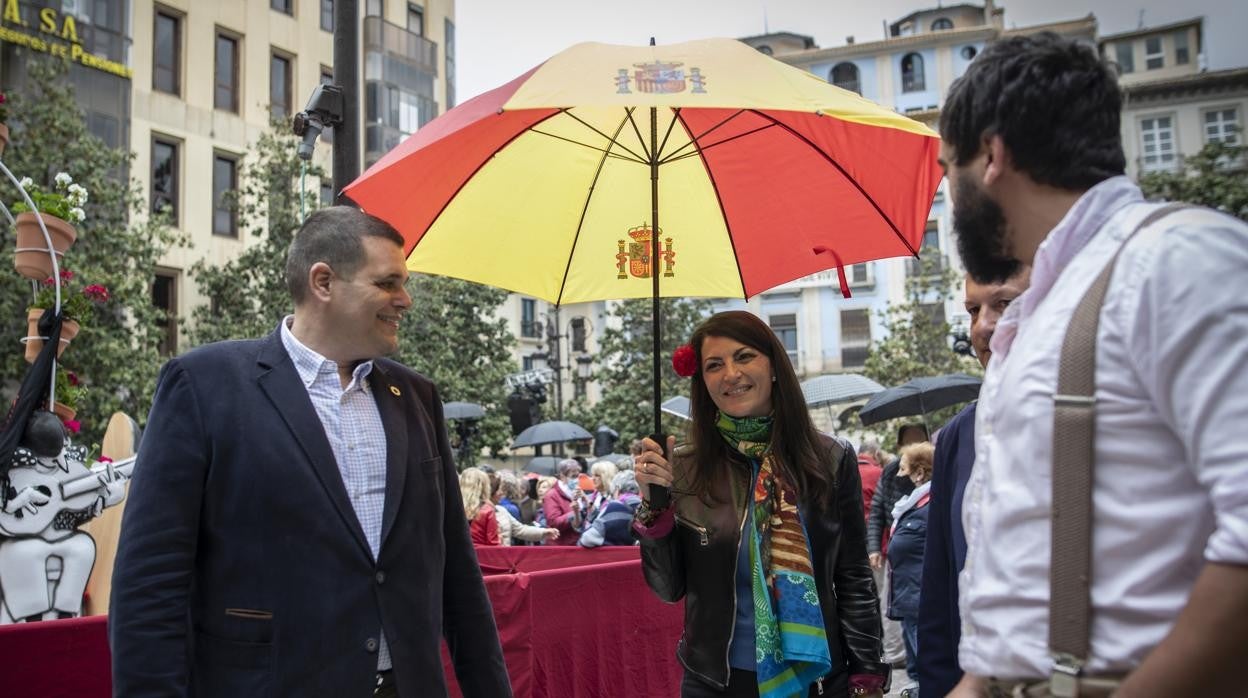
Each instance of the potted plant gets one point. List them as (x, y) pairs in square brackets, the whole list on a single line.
[(4, 126), (69, 393), (61, 207), (77, 305)]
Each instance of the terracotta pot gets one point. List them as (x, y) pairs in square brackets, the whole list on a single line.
[(63, 411), (32, 259), (34, 342), (4, 137)]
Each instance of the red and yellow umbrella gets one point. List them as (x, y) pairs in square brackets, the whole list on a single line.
[(696, 169), (546, 186)]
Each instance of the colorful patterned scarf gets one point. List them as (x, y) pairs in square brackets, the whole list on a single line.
[(790, 642)]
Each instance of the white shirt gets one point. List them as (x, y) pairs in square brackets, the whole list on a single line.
[(1170, 487), (356, 435)]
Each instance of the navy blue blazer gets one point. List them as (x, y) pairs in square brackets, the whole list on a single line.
[(939, 623), (242, 569)]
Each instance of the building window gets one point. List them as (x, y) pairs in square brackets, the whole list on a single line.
[(374, 8), (279, 87), (286, 7), (845, 76), (969, 52), (450, 64), (1182, 54), (785, 327), (855, 337), (912, 78), (859, 275), (1154, 57), (942, 24), (415, 19), (1157, 141), (579, 333), (165, 300), (1222, 126), (1124, 51), (165, 178), (224, 183), (226, 73), (931, 237), (528, 319), (327, 15), (167, 53), (931, 261), (527, 362), (934, 312)]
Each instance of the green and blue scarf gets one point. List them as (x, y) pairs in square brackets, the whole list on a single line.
[(790, 641)]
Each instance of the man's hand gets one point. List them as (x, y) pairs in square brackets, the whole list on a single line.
[(876, 560), (970, 686)]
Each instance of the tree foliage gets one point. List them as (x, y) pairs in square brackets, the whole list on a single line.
[(625, 368), (916, 343), (116, 354), (1216, 177)]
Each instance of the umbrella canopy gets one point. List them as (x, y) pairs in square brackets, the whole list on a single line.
[(920, 396), (677, 406), (696, 169), (551, 433), (834, 389), (462, 410), (543, 465)]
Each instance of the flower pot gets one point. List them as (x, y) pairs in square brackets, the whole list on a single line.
[(34, 342), (63, 411), (4, 137), (32, 259)]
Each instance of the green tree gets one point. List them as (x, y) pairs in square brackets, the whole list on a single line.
[(116, 354), (247, 295), (916, 343), (625, 369), (453, 335), (1216, 177)]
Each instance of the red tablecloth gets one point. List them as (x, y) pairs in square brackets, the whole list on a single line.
[(573, 622)]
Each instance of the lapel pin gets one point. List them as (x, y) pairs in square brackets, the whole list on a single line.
[(395, 391)]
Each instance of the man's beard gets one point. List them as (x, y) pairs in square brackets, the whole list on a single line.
[(980, 226)]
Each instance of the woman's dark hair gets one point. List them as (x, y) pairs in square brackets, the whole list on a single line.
[(1055, 104), (794, 441)]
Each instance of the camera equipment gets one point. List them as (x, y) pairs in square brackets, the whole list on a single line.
[(962, 342), (324, 110)]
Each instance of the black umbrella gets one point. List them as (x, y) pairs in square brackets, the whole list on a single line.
[(543, 465), (920, 396), (462, 410), (551, 433)]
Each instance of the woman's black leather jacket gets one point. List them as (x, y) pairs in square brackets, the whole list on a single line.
[(697, 562)]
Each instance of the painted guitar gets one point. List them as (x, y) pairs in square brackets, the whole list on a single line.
[(71, 490)]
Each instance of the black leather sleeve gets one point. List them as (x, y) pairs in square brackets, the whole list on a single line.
[(663, 566), (858, 602), (881, 508)]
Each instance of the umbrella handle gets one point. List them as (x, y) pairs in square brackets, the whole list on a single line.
[(660, 496)]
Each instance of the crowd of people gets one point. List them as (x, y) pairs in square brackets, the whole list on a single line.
[(296, 525)]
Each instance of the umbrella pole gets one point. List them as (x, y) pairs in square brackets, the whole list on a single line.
[(654, 264)]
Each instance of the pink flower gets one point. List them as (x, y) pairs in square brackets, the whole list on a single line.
[(104, 459), (684, 361), (96, 293), (72, 377), (2, 98), (66, 275), (73, 425)]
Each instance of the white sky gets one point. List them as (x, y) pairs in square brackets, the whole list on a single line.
[(500, 39)]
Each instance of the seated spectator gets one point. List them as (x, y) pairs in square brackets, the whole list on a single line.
[(614, 525)]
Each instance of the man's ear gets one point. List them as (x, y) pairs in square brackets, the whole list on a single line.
[(320, 276), (997, 159)]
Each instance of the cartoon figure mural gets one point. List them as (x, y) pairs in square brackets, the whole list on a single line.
[(46, 494)]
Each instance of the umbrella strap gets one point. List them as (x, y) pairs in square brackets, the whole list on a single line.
[(840, 268)]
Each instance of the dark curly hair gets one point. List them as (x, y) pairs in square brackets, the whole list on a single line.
[(1053, 101)]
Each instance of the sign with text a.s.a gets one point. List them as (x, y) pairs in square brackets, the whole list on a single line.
[(47, 31)]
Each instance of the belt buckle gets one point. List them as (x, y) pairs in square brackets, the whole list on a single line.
[(1064, 679)]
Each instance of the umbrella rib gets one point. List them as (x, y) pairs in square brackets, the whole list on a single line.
[(593, 184), (693, 140), (591, 147), (710, 176), (670, 125), (600, 133), (649, 156), (712, 145), (832, 161)]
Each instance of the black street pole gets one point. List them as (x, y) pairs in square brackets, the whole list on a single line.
[(556, 360), (347, 76)]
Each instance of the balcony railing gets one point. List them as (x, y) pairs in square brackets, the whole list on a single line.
[(380, 35)]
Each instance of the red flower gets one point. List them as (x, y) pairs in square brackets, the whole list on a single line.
[(2, 100), (73, 425), (104, 459), (684, 361), (96, 293), (71, 377), (66, 275)]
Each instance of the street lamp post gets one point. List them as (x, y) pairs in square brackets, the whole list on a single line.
[(554, 358)]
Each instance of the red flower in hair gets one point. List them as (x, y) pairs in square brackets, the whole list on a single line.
[(684, 361)]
